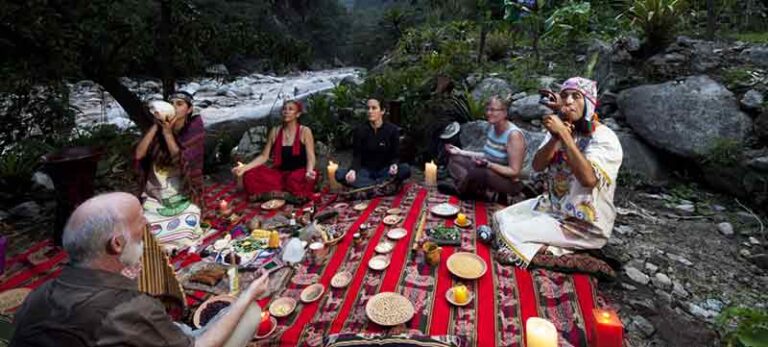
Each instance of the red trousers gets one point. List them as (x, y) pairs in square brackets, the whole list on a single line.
[(263, 179)]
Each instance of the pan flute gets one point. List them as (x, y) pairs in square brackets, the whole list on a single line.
[(157, 276)]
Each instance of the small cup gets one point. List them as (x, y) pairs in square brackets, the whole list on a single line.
[(357, 238), (363, 230), (318, 251), (432, 253)]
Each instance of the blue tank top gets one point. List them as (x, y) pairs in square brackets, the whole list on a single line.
[(495, 148)]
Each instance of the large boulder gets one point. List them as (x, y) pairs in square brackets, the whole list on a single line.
[(493, 86), (685, 117), (752, 101), (746, 177), (757, 55), (472, 135), (640, 160), (528, 108), (761, 126), (252, 143)]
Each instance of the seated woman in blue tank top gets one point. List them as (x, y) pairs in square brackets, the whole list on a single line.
[(498, 166)]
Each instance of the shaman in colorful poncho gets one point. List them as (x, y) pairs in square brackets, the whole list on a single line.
[(169, 163), (579, 160)]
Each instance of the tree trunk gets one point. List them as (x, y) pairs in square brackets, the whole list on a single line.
[(711, 20), (166, 49), (483, 35), (130, 102)]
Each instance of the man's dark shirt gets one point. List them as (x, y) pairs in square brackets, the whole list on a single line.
[(85, 307), (375, 150)]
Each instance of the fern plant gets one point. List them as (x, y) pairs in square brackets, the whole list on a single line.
[(658, 19)]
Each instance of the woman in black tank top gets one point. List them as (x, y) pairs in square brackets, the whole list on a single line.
[(291, 147)]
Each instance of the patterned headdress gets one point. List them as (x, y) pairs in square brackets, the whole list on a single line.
[(587, 88)]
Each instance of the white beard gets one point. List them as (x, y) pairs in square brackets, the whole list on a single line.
[(131, 256)]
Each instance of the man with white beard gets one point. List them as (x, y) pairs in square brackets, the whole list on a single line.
[(92, 304)]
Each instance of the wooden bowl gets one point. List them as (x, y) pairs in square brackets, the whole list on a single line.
[(306, 294), (276, 310), (225, 298)]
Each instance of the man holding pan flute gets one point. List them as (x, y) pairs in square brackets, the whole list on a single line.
[(93, 304)]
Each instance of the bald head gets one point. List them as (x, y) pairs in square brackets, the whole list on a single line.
[(90, 230)]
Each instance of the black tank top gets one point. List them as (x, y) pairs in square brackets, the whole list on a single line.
[(291, 162)]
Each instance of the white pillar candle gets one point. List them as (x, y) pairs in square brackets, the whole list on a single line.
[(430, 173), (540, 332), (332, 167)]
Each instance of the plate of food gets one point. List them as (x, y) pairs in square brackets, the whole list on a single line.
[(394, 211), (210, 308), (282, 307), (312, 293), (360, 207), (459, 295), (334, 233), (384, 247), (208, 275), (389, 309), (341, 206), (466, 224), (466, 265), (273, 204), (341, 279), (249, 245), (392, 219), (262, 334), (449, 236), (445, 210), (397, 233), (378, 263)]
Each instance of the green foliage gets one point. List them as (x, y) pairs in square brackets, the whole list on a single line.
[(114, 167), (498, 44), (473, 109), (738, 77), (629, 179), (686, 191), (41, 113), (569, 23), (322, 117), (752, 37), (743, 327), (343, 96), (724, 153), (658, 20), (17, 164)]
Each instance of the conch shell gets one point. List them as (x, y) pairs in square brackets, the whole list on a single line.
[(162, 110)]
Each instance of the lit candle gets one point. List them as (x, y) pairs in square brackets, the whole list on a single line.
[(332, 167), (266, 324), (609, 330), (430, 173), (540, 332), (461, 219)]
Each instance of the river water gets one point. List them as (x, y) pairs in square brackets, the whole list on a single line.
[(245, 97)]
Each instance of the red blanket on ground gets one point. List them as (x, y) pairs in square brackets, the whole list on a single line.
[(505, 297)]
